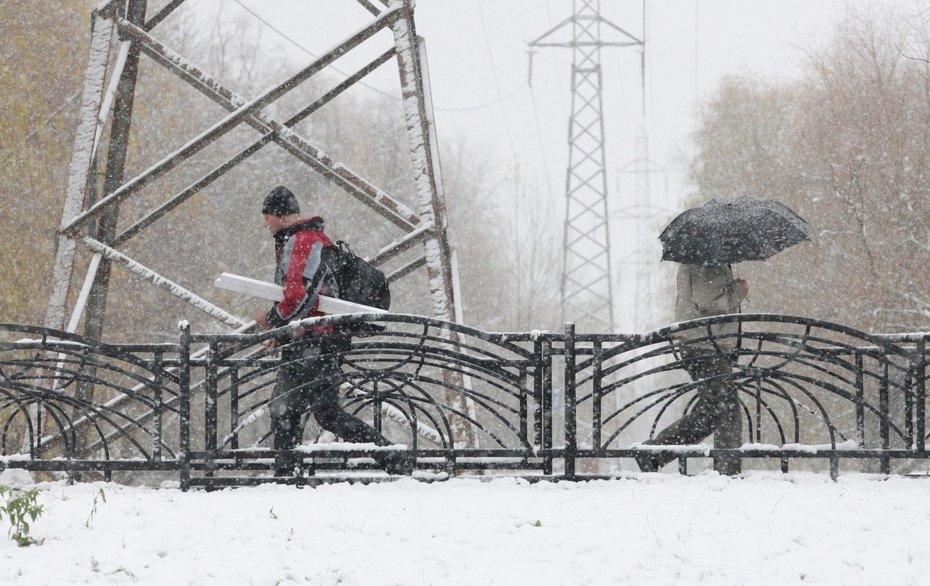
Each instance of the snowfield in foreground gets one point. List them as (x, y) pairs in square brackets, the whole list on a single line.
[(765, 528)]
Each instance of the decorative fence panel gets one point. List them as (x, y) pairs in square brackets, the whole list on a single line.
[(72, 404), (807, 389), (461, 401), (409, 381)]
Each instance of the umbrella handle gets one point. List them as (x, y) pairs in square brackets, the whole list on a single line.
[(736, 278)]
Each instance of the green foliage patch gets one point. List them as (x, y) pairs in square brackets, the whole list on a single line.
[(21, 508)]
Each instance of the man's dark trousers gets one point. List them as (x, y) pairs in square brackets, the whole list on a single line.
[(309, 377), (717, 411)]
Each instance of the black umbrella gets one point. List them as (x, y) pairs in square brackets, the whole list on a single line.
[(727, 231)]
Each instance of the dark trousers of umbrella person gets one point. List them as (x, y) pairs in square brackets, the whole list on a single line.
[(704, 354)]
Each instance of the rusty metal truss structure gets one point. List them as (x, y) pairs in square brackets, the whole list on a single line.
[(92, 222), (107, 107), (587, 285)]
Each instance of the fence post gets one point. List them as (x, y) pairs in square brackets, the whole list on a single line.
[(210, 406), (571, 447), (884, 412), (545, 355), (860, 400), (184, 399), (596, 397), (920, 388), (158, 406)]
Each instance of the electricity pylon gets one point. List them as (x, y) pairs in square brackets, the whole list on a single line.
[(82, 210), (587, 287), (121, 34), (643, 260)]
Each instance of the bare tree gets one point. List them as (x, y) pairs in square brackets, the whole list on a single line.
[(847, 148)]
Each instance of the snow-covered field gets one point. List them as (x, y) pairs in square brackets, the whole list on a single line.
[(765, 528)]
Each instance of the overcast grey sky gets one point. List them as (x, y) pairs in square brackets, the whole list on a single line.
[(478, 64)]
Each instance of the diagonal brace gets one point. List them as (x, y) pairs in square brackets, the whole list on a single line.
[(170, 286), (229, 122), (219, 171), (301, 148)]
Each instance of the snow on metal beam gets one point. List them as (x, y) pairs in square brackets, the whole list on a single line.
[(417, 102), (245, 153), (404, 244), (111, 91), (298, 146), (232, 120), (85, 292), (418, 136), (374, 10), (81, 162), (105, 7), (166, 284)]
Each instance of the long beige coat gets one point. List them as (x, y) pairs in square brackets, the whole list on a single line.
[(703, 292)]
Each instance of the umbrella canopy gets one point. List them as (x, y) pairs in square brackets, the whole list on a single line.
[(727, 231)]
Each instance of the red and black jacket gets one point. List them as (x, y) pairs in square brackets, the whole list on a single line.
[(299, 252)]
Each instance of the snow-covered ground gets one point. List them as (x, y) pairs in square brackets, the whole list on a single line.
[(765, 528)]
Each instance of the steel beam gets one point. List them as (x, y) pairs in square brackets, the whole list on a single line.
[(300, 147), (421, 134), (241, 110), (81, 161), (113, 177), (407, 269), (418, 236), (162, 282), (370, 7), (162, 14), (219, 171)]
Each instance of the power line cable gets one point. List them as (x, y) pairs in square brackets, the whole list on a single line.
[(488, 105), (558, 76), (697, 45), (542, 146), (372, 88), (305, 50), (497, 85), (649, 118)]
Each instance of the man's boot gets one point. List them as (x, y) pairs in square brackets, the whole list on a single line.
[(647, 463), (286, 465), (398, 463)]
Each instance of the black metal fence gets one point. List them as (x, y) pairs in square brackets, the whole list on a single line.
[(461, 401)]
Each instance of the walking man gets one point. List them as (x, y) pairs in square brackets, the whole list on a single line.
[(310, 373)]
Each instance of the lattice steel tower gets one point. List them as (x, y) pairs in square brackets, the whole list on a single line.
[(647, 218), (122, 33), (587, 289), (91, 221)]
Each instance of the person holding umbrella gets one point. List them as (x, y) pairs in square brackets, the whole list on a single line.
[(705, 291), (707, 240)]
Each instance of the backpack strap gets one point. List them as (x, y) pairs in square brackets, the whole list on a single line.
[(344, 246)]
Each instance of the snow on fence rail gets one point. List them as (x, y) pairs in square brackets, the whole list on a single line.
[(545, 405)]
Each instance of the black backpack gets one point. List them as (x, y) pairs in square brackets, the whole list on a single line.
[(358, 281)]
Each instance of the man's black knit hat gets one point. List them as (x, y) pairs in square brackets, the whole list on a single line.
[(280, 202)]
